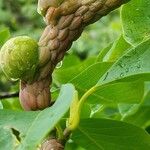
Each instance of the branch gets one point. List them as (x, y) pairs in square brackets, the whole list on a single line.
[(9, 95)]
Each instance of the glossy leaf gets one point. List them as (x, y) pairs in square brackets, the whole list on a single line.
[(4, 35), (47, 119), (89, 77), (122, 92), (20, 121), (134, 65), (136, 20), (141, 116), (7, 139), (102, 134), (128, 109)]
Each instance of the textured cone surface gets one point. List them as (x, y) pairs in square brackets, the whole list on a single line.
[(35, 96), (52, 144), (65, 24), (65, 21)]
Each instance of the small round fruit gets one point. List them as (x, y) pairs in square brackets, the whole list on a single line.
[(19, 57)]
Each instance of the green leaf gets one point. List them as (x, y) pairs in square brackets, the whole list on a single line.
[(103, 52), (20, 121), (136, 20), (141, 116), (122, 92), (102, 134), (1, 105), (47, 119), (119, 47), (4, 35), (7, 139), (65, 74), (128, 109), (131, 66), (106, 111), (89, 77)]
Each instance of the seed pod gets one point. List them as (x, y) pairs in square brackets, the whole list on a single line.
[(19, 58)]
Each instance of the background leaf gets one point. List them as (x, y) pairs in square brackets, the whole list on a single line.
[(119, 47), (89, 77), (4, 35), (102, 134)]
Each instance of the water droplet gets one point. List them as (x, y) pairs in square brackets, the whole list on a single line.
[(127, 56), (127, 70), (122, 65), (138, 63), (122, 75), (138, 66), (59, 65)]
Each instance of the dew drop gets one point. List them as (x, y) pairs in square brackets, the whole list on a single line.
[(127, 56), (138, 66), (122, 65), (59, 65), (127, 70), (122, 75)]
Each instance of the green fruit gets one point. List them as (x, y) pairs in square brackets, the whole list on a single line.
[(19, 58)]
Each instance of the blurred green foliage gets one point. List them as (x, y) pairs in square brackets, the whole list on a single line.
[(21, 17)]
